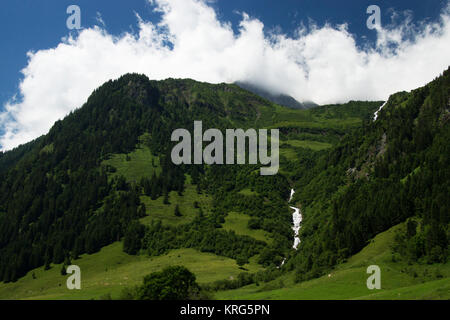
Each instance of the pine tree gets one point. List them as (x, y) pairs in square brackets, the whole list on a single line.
[(177, 211), (155, 187), (63, 270), (142, 211), (166, 198)]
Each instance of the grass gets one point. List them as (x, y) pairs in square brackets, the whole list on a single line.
[(338, 124), (238, 223), (289, 153), (337, 117), (142, 163), (314, 145), (110, 270), (399, 280), (331, 121), (139, 164), (290, 150), (248, 192), (431, 290), (157, 210)]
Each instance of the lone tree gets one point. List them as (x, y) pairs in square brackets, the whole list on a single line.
[(166, 198), (172, 283), (63, 270), (177, 211)]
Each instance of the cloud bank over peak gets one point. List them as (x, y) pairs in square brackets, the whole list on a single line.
[(320, 64)]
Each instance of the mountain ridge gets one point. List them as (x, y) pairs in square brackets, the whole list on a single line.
[(281, 99)]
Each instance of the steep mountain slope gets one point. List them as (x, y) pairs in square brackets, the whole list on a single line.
[(58, 199), (392, 169)]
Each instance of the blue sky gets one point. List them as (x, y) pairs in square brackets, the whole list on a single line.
[(37, 25), (40, 24)]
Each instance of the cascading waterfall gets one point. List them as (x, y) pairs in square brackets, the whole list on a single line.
[(297, 219), (375, 115), (292, 194)]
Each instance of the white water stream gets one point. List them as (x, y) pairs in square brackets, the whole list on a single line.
[(297, 219), (375, 115)]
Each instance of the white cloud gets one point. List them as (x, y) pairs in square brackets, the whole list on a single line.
[(322, 64)]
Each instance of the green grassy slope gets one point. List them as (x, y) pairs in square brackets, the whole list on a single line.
[(140, 163), (337, 117), (238, 223), (348, 280), (143, 163), (157, 210), (314, 145), (111, 270)]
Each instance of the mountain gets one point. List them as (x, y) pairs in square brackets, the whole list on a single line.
[(391, 170), (100, 191), (281, 99), (59, 200), (69, 192)]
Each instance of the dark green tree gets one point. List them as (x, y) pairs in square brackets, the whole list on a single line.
[(172, 283), (133, 238), (177, 211)]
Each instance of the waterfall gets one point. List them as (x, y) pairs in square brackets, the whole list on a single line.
[(297, 219), (375, 115)]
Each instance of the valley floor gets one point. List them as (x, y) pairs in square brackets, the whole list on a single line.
[(106, 273)]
